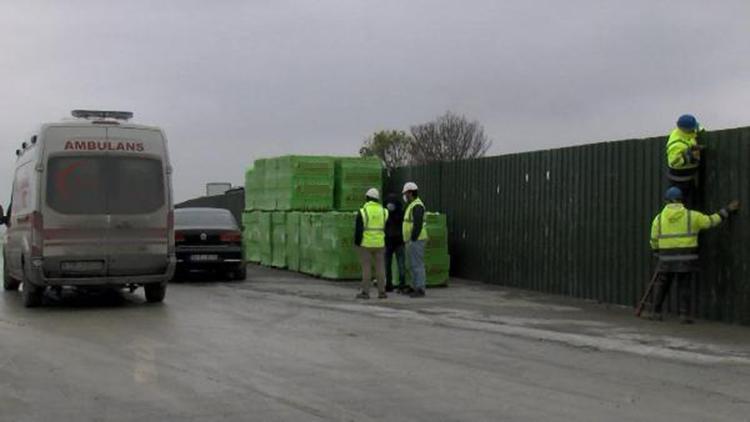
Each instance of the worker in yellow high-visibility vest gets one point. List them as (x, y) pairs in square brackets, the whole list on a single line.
[(369, 236), (684, 156), (674, 236), (415, 236)]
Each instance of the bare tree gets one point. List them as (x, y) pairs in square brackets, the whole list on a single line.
[(391, 146), (450, 137)]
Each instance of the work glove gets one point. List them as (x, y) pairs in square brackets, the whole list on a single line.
[(730, 209)]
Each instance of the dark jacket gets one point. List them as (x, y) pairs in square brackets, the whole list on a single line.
[(394, 229)]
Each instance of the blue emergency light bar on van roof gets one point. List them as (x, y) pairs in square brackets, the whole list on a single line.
[(102, 114)]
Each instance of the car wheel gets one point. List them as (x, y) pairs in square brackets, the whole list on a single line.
[(241, 273), (9, 283), (155, 292), (32, 294)]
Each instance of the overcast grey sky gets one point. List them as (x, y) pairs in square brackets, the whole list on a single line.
[(231, 81)]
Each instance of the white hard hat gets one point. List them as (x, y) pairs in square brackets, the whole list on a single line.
[(373, 193), (409, 186)]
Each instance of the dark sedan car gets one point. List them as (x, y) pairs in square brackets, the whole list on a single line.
[(208, 239)]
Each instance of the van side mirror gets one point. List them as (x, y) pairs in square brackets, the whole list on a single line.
[(3, 217)]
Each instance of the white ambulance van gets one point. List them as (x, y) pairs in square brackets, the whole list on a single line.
[(91, 207)]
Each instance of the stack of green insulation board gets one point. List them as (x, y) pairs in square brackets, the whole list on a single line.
[(304, 183), (293, 240), (251, 236), (265, 238), (300, 213), (306, 242), (436, 258), (353, 177), (338, 256), (278, 239)]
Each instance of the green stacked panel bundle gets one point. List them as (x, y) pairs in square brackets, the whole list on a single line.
[(306, 242), (265, 238), (270, 184), (304, 183), (353, 177), (437, 230), (254, 185), (316, 222), (293, 240), (250, 189), (278, 236), (251, 235), (338, 256)]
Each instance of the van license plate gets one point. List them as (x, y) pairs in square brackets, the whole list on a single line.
[(204, 258), (82, 266)]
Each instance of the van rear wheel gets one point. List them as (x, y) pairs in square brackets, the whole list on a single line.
[(9, 283), (155, 292)]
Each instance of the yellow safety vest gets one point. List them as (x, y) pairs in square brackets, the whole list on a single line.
[(677, 227), (678, 150), (409, 221), (373, 219)]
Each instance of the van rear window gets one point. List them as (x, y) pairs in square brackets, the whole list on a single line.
[(104, 185)]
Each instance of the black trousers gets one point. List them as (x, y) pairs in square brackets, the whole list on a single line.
[(398, 251), (688, 187), (664, 283)]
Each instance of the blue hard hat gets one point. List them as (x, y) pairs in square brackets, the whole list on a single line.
[(673, 194), (688, 122)]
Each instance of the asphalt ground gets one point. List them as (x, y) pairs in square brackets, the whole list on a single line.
[(286, 347)]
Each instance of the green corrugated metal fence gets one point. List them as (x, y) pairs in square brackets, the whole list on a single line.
[(576, 221)]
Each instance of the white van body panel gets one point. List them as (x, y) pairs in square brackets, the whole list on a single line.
[(102, 212)]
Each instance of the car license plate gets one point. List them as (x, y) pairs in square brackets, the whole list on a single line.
[(204, 258), (82, 266)]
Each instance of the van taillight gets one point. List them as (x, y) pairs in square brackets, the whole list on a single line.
[(231, 237), (179, 236), (37, 233)]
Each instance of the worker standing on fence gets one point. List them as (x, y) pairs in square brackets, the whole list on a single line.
[(415, 236), (394, 243), (369, 236), (684, 157), (674, 236)]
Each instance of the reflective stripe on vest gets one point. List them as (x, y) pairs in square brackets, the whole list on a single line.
[(373, 220), (409, 221)]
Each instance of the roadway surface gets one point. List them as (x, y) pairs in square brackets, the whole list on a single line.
[(283, 347)]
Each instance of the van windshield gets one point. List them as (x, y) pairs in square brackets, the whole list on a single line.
[(104, 185)]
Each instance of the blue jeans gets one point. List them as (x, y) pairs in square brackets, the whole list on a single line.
[(415, 251)]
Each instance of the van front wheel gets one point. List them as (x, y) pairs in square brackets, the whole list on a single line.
[(155, 292), (32, 295), (9, 283)]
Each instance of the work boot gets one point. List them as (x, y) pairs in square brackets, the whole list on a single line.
[(363, 295), (382, 295), (417, 293), (404, 289), (389, 288)]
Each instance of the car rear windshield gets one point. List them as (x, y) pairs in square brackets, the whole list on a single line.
[(204, 219), (104, 185)]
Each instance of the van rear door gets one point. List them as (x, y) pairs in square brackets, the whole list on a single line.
[(74, 215), (138, 204)]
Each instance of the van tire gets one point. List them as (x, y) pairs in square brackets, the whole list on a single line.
[(9, 283), (32, 295), (155, 292)]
